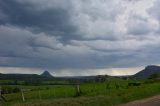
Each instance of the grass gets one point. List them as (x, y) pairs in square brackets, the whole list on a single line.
[(109, 93)]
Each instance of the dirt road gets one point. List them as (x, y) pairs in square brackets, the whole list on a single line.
[(152, 101)]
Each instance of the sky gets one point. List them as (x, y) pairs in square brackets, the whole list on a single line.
[(79, 37)]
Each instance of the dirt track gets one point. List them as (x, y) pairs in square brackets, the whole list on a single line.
[(152, 101)]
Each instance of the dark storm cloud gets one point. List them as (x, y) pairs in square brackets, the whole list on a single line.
[(78, 34), (54, 21)]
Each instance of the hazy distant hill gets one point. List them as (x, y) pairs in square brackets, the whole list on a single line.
[(149, 70), (46, 74)]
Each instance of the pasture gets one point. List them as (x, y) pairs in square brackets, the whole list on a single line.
[(112, 91)]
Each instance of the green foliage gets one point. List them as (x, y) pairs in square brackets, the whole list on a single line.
[(10, 89), (134, 84), (154, 76)]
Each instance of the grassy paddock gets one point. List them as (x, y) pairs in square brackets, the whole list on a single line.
[(109, 93)]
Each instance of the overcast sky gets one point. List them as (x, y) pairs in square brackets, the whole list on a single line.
[(79, 37)]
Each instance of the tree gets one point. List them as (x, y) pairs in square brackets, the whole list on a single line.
[(153, 76)]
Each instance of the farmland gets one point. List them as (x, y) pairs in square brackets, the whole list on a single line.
[(112, 91)]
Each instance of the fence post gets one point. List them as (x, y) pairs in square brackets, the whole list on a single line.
[(54, 92), (65, 90), (1, 96), (0, 91), (77, 90), (39, 93), (22, 94)]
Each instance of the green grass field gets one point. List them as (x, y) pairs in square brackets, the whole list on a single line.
[(109, 93)]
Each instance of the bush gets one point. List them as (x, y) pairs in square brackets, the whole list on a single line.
[(134, 84), (153, 76), (8, 90)]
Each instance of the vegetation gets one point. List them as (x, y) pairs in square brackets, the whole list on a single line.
[(101, 92), (154, 76)]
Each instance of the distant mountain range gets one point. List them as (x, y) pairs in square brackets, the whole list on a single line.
[(145, 73), (45, 76), (148, 71)]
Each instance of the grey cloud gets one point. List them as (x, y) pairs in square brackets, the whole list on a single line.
[(20, 42), (154, 10), (96, 19), (77, 34), (54, 21), (139, 26)]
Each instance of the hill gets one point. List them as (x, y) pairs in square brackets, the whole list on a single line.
[(149, 70), (46, 74)]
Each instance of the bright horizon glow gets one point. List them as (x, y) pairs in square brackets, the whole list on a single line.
[(71, 72)]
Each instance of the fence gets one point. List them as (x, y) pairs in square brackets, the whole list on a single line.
[(25, 93)]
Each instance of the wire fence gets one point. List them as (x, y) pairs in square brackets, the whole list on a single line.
[(26, 93)]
